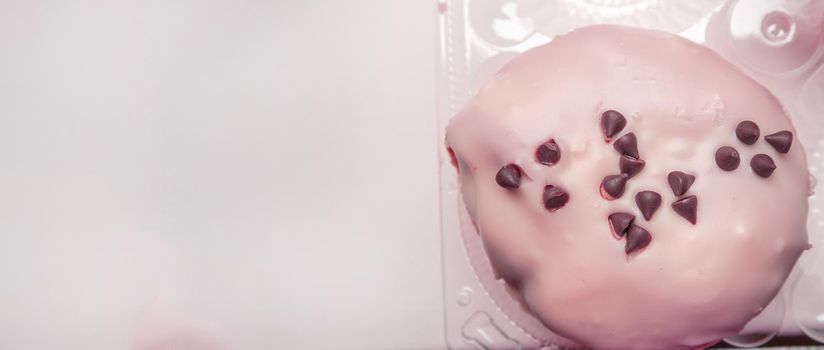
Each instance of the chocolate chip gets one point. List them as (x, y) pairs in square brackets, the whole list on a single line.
[(680, 182), (612, 122), (554, 198), (637, 238), (747, 131), (628, 145), (619, 222), (613, 185), (509, 176), (548, 154), (727, 158), (687, 207), (648, 202), (781, 141), (762, 165), (630, 166)]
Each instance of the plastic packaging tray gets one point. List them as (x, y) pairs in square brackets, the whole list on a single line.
[(780, 43)]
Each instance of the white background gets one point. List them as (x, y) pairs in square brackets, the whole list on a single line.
[(219, 175)]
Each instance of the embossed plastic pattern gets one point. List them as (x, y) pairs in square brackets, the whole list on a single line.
[(780, 43)]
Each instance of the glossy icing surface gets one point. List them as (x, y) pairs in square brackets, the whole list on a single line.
[(693, 284)]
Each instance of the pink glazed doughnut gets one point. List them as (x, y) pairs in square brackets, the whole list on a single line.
[(634, 188)]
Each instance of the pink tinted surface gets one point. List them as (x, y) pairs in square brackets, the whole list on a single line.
[(694, 284)]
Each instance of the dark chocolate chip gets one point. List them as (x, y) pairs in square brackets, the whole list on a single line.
[(648, 202), (637, 238), (727, 158), (687, 207), (613, 185), (747, 131), (612, 122), (548, 154), (630, 166), (554, 197), (509, 176), (628, 145), (680, 182), (762, 165), (781, 141), (619, 222)]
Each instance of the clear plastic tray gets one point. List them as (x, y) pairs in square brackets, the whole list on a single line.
[(780, 43)]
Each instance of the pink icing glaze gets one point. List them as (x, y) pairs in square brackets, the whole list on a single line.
[(693, 284)]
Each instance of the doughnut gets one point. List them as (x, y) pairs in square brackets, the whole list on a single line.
[(635, 190)]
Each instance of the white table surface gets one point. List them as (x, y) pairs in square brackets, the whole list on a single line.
[(218, 175)]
